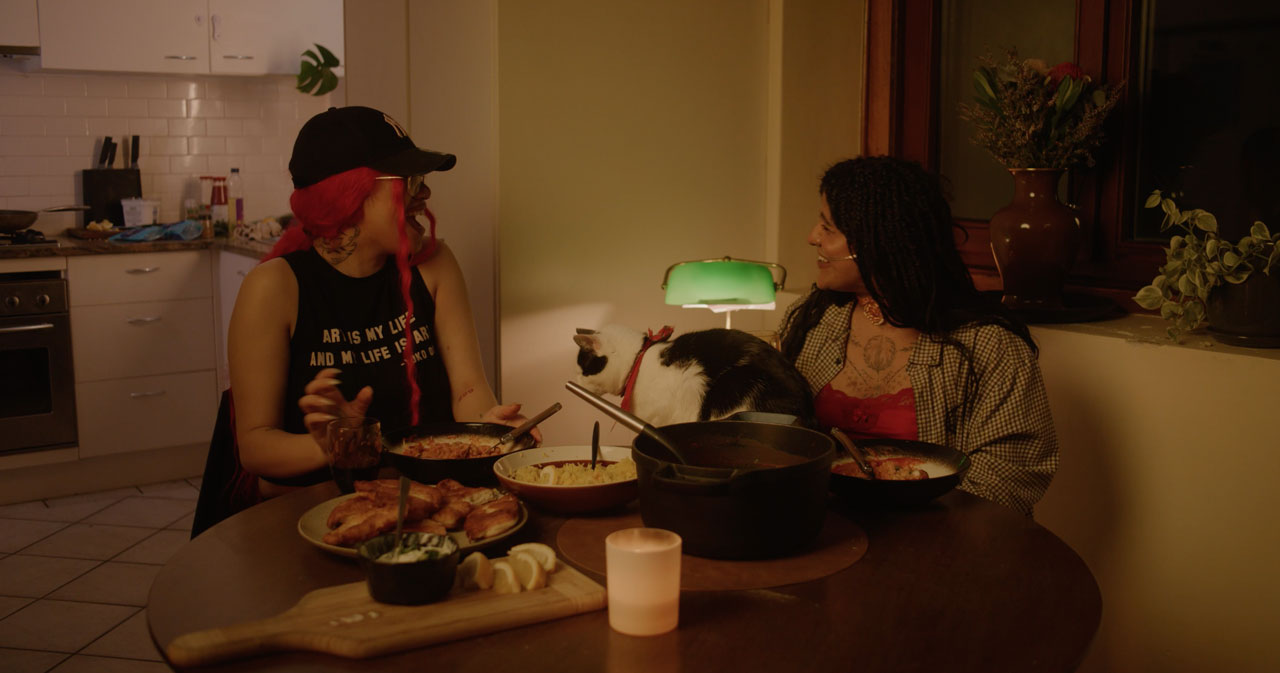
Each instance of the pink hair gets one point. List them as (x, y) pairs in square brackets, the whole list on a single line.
[(327, 208)]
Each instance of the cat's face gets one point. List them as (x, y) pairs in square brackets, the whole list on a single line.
[(605, 358)]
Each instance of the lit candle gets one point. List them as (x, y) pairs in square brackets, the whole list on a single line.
[(642, 571)]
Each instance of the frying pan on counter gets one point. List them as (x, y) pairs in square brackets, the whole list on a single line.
[(16, 220)]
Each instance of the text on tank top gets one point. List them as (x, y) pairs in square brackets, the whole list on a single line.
[(357, 325)]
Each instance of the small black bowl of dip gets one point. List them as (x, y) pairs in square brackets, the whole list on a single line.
[(422, 572)]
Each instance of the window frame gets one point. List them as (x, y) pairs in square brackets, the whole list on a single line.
[(902, 118)]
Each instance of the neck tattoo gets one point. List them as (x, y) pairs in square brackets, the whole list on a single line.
[(337, 249), (872, 311)]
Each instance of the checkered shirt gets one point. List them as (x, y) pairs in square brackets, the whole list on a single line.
[(1008, 432)]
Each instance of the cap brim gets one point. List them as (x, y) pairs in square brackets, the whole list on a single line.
[(414, 162)]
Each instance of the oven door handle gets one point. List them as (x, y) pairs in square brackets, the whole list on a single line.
[(149, 393), (143, 321), (26, 328)]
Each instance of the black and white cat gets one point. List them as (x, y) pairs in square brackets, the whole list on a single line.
[(697, 376)]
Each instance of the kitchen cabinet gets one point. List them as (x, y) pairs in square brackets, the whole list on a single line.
[(232, 268), (19, 26), (239, 37), (142, 336), (169, 36), (261, 37)]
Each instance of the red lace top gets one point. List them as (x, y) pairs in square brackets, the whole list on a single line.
[(891, 416)]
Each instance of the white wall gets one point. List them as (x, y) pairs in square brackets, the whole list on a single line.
[(632, 137), (639, 134), (430, 64), (453, 108), (1167, 490), (52, 124)]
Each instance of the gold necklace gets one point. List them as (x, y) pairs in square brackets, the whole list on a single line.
[(872, 311)]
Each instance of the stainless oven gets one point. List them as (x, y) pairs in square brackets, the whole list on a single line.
[(37, 383)]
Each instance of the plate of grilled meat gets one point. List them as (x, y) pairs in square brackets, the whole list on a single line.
[(474, 517)]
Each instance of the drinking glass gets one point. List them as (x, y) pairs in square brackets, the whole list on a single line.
[(642, 571), (354, 450)]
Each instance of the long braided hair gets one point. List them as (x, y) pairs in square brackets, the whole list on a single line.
[(896, 219), (331, 206)]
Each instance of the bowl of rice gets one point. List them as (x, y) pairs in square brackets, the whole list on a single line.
[(559, 479)]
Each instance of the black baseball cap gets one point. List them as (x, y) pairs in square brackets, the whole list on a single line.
[(342, 138)]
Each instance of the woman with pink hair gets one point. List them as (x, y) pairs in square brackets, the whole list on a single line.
[(358, 310)]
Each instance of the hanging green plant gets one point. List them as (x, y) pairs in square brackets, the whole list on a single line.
[(316, 75)]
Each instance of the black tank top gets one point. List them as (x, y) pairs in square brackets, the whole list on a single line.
[(357, 325)]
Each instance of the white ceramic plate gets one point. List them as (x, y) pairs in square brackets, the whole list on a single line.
[(312, 526)]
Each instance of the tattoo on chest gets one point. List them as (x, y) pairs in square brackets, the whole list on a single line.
[(879, 353), (874, 367), (339, 248)]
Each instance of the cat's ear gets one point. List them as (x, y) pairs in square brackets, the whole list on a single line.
[(589, 343), (583, 330)]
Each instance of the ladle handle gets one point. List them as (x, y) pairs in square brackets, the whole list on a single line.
[(624, 417), (631, 422)]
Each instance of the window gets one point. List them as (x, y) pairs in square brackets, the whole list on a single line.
[(1198, 115)]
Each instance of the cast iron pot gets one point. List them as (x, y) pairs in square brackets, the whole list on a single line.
[(749, 490), (468, 471)]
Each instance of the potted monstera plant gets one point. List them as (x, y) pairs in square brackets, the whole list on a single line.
[(1208, 279), (315, 74)]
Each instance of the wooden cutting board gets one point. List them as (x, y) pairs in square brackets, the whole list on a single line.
[(343, 620)]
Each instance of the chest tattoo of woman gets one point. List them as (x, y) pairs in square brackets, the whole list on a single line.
[(876, 367), (338, 248)]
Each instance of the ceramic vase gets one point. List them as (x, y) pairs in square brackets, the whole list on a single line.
[(1034, 240)]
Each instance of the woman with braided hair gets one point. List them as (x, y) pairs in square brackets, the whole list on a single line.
[(358, 310), (896, 342)]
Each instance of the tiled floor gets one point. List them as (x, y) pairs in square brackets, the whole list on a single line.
[(75, 572)]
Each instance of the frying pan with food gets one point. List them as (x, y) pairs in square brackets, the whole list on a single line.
[(469, 471), (17, 220), (944, 466)]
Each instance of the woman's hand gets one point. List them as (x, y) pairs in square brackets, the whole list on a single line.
[(509, 414), (322, 402)]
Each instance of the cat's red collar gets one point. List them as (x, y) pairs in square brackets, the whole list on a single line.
[(650, 339)]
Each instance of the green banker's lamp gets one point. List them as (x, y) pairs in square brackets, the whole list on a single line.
[(723, 285)]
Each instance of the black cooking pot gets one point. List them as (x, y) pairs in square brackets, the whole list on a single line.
[(749, 490)]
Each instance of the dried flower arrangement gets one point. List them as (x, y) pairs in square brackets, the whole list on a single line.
[(1028, 115)]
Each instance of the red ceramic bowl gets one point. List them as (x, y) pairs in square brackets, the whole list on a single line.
[(565, 499)]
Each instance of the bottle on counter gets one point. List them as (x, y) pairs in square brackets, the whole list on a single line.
[(235, 196), (218, 206)]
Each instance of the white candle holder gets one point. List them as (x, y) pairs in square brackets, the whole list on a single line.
[(642, 573)]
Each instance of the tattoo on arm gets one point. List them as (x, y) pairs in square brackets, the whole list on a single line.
[(464, 394), (338, 248)]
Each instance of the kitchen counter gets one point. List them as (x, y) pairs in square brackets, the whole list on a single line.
[(73, 247)]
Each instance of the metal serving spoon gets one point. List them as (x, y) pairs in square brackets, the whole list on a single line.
[(400, 510), (627, 419), (854, 452), (527, 426), (595, 444)]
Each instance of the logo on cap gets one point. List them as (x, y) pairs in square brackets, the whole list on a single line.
[(399, 130)]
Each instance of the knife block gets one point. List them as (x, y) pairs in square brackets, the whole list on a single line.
[(103, 190)]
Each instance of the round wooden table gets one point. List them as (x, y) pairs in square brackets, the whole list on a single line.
[(959, 585)]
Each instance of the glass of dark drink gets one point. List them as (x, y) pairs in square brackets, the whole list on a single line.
[(354, 451)]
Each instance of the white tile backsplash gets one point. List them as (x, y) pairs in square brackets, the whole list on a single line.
[(52, 125)]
